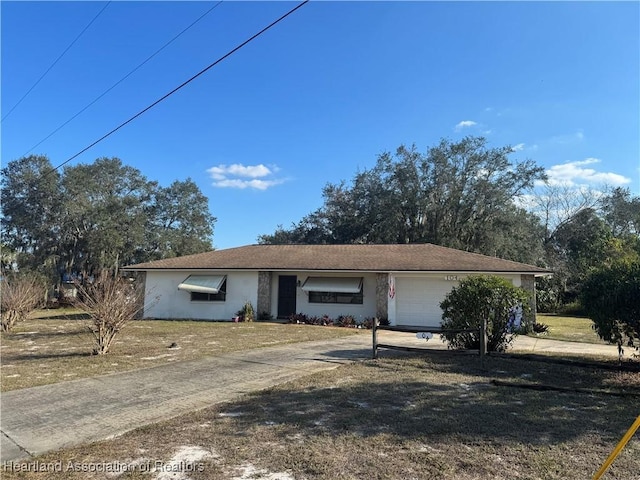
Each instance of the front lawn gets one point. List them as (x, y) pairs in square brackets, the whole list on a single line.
[(438, 416), (56, 346), (572, 329)]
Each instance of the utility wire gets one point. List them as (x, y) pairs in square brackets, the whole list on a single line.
[(226, 55), (121, 80), (56, 61)]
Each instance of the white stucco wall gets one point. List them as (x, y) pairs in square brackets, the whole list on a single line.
[(333, 310), (174, 303), (243, 286)]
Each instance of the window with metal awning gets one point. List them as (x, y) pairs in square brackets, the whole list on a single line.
[(205, 288), (334, 289)]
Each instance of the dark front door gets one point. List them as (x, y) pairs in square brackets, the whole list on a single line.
[(286, 295)]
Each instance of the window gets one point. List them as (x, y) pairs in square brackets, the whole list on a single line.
[(335, 297), (205, 288), (334, 290), (221, 296)]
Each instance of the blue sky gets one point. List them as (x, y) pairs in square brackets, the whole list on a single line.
[(320, 95)]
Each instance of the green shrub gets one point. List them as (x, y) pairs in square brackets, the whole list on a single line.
[(548, 294), (481, 297), (611, 298), (574, 308), (246, 313)]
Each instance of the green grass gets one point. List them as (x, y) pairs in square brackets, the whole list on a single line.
[(435, 416), (572, 329), (55, 345)]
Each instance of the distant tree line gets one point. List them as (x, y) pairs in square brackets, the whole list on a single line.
[(596, 234), (92, 217)]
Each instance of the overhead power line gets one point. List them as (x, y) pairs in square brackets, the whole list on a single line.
[(56, 61), (164, 97), (121, 80)]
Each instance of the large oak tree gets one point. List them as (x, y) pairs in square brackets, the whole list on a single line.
[(457, 194)]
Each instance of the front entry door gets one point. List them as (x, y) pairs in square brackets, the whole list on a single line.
[(286, 295)]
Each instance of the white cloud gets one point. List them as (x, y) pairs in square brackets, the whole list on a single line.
[(518, 148), (242, 184), (464, 124), (575, 173), (239, 170), (241, 176)]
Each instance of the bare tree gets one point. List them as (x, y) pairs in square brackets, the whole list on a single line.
[(558, 203), (21, 295), (111, 303)]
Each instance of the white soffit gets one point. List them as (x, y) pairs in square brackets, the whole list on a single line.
[(202, 283), (333, 284)]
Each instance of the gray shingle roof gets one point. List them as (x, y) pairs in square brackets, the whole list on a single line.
[(375, 258)]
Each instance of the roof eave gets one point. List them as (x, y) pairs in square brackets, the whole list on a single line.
[(536, 273)]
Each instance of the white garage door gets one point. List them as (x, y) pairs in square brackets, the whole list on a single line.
[(418, 300)]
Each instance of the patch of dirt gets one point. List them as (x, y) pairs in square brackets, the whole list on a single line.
[(249, 472), (185, 460)]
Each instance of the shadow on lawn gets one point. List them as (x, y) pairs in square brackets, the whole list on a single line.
[(64, 316), (43, 356), (549, 371), (357, 353), (33, 336), (455, 400)]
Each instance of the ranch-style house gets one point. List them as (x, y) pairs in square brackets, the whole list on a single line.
[(402, 283)]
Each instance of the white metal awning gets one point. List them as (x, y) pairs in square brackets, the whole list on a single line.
[(202, 283), (333, 284)]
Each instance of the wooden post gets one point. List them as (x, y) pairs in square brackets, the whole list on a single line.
[(483, 341), (374, 331)]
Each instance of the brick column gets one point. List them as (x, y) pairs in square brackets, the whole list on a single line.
[(382, 291), (264, 293)]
